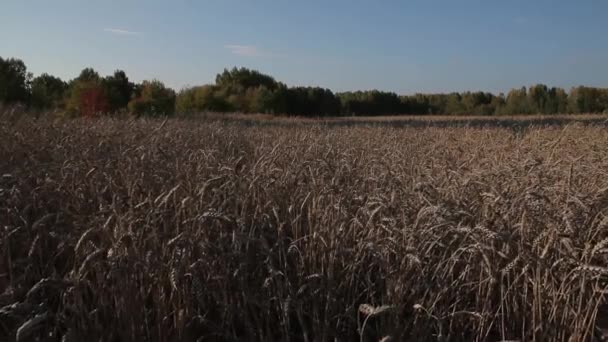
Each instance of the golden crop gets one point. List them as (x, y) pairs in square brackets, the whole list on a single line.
[(212, 230)]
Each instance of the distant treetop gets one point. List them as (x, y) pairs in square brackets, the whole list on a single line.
[(250, 91)]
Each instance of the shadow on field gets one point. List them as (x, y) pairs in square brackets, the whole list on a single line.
[(434, 122), (476, 123)]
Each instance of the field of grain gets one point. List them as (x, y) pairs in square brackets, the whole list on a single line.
[(224, 230)]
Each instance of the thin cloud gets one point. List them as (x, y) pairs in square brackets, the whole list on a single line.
[(244, 50), (249, 51), (122, 32), (520, 20)]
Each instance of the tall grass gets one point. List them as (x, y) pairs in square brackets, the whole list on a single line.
[(183, 230)]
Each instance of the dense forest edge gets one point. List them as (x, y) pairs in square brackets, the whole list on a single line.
[(249, 91)]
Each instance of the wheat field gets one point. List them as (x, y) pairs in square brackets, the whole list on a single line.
[(222, 230)]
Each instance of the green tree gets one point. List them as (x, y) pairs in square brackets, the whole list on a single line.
[(561, 100), (88, 75), (498, 104), (517, 102), (244, 90), (588, 100), (14, 81), (538, 99), (372, 102), (210, 98), (118, 90), (184, 101), (48, 92), (240, 79), (155, 99), (555, 101), (261, 100), (206, 98), (86, 96), (477, 103), (454, 105)]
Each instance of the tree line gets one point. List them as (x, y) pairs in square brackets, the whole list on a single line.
[(249, 91)]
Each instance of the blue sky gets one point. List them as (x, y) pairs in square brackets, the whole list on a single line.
[(400, 46)]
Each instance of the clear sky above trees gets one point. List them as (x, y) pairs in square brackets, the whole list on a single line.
[(401, 46)]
